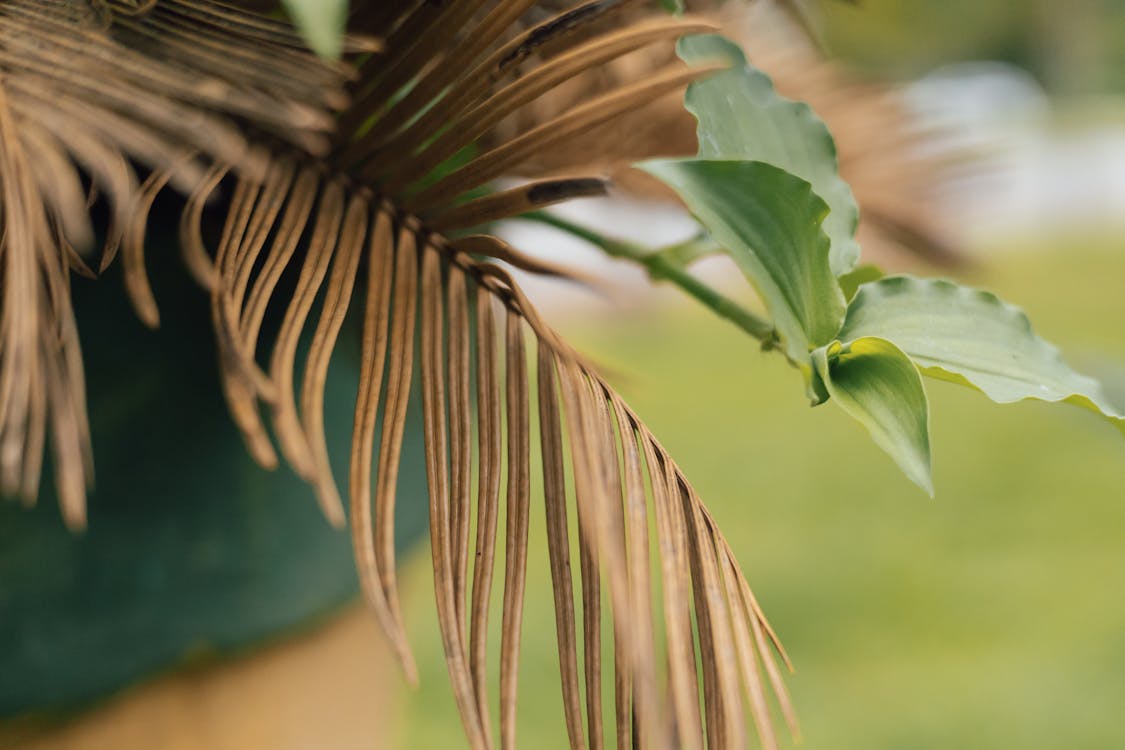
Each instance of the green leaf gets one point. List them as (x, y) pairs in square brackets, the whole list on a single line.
[(857, 277), (770, 223), (321, 22), (877, 385), (971, 337), (741, 116)]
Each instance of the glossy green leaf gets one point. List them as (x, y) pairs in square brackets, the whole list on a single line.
[(877, 385), (321, 23), (770, 223), (973, 338), (741, 116)]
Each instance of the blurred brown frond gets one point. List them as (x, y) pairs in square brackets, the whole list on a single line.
[(86, 89), (894, 163), (337, 183)]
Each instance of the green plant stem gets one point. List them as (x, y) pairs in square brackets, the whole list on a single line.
[(660, 268)]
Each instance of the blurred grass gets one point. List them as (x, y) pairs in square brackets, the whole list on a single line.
[(991, 617)]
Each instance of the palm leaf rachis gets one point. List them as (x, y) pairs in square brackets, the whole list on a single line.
[(337, 176)]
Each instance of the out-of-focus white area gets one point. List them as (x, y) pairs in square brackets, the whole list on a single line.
[(1040, 171), (1037, 170)]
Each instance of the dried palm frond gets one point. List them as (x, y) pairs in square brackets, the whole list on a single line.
[(895, 163), (338, 194), (85, 89)]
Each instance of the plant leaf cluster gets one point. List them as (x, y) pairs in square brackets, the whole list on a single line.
[(764, 186)]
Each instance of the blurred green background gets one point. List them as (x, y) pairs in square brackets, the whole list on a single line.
[(1071, 47), (989, 617)]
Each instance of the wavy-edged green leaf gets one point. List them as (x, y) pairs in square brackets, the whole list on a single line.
[(971, 337), (877, 385), (770, 223), (741, 116), (321, 23)]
